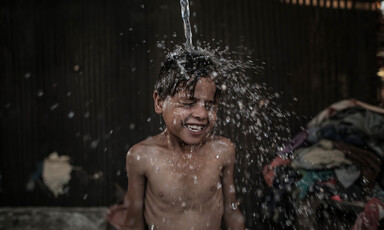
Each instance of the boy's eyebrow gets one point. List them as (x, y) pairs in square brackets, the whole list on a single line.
[(207, 101)]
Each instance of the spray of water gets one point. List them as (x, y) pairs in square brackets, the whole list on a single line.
[(250, 116)]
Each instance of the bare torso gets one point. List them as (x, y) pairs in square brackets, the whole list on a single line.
[(183, 190)]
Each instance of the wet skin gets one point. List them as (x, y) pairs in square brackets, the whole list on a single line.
[(183, 177)]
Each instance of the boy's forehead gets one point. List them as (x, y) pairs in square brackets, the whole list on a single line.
[(206, 84), (183, 91)]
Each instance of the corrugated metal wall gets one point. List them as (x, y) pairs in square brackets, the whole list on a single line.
[(77, 76)]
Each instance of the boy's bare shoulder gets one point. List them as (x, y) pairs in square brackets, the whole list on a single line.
[(223, 145), (146, 147), (140, 154)]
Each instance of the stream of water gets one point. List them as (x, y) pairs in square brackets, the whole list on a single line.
[(187, 25)]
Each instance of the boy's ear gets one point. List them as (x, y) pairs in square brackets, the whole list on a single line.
[(158, 102)]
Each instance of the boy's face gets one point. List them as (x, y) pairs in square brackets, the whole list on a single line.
[(190, 116)]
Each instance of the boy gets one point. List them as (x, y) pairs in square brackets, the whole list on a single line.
[(182, 178)]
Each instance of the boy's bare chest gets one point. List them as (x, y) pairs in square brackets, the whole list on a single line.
[(183, 179)]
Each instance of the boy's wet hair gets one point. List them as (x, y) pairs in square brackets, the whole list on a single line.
[(183, 70)]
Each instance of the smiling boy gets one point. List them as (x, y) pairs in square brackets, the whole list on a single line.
[(182, 178)]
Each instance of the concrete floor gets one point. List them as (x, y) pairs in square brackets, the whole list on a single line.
[(53, 218)]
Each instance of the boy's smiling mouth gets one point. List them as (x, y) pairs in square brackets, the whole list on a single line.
[(195, 128)]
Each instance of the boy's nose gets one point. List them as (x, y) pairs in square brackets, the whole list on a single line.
[(200, 111)]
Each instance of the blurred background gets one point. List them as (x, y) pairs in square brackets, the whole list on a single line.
[(76, 78)]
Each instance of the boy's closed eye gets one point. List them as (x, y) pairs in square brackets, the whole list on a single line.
[(188, 103)]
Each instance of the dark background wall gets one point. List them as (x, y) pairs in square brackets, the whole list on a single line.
[(77, 77)]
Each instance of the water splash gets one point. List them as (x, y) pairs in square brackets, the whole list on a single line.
[(187, 25), (250, 116)]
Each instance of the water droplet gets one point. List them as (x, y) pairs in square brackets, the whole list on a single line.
[(40, 93), (76, 68), (132, 126), (232, 189), (27, 75), (94, 144), (54, 106), (85, 196), (195, 179), (71, 115), (241, 106), (97, 175), (218, 185)]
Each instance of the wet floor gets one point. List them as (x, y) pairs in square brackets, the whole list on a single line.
[(53, 218)]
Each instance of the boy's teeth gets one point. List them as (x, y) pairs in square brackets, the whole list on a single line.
[(195, 128)]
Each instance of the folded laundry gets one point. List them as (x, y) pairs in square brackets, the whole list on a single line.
[(332, 110), (337, 159), (339, 106), (337, 131), (319, 156), (367, 161), (369, 123)]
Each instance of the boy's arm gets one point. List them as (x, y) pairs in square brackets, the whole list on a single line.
[(233, 218), (134, 198)]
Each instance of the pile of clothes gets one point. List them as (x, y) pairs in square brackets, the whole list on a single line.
[(335, 162)]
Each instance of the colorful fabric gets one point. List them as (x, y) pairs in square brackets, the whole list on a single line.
[(370, 217), (310, 178), (268, 170)]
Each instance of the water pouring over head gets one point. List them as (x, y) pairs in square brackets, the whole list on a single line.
[(185, 68), (187, 25)]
